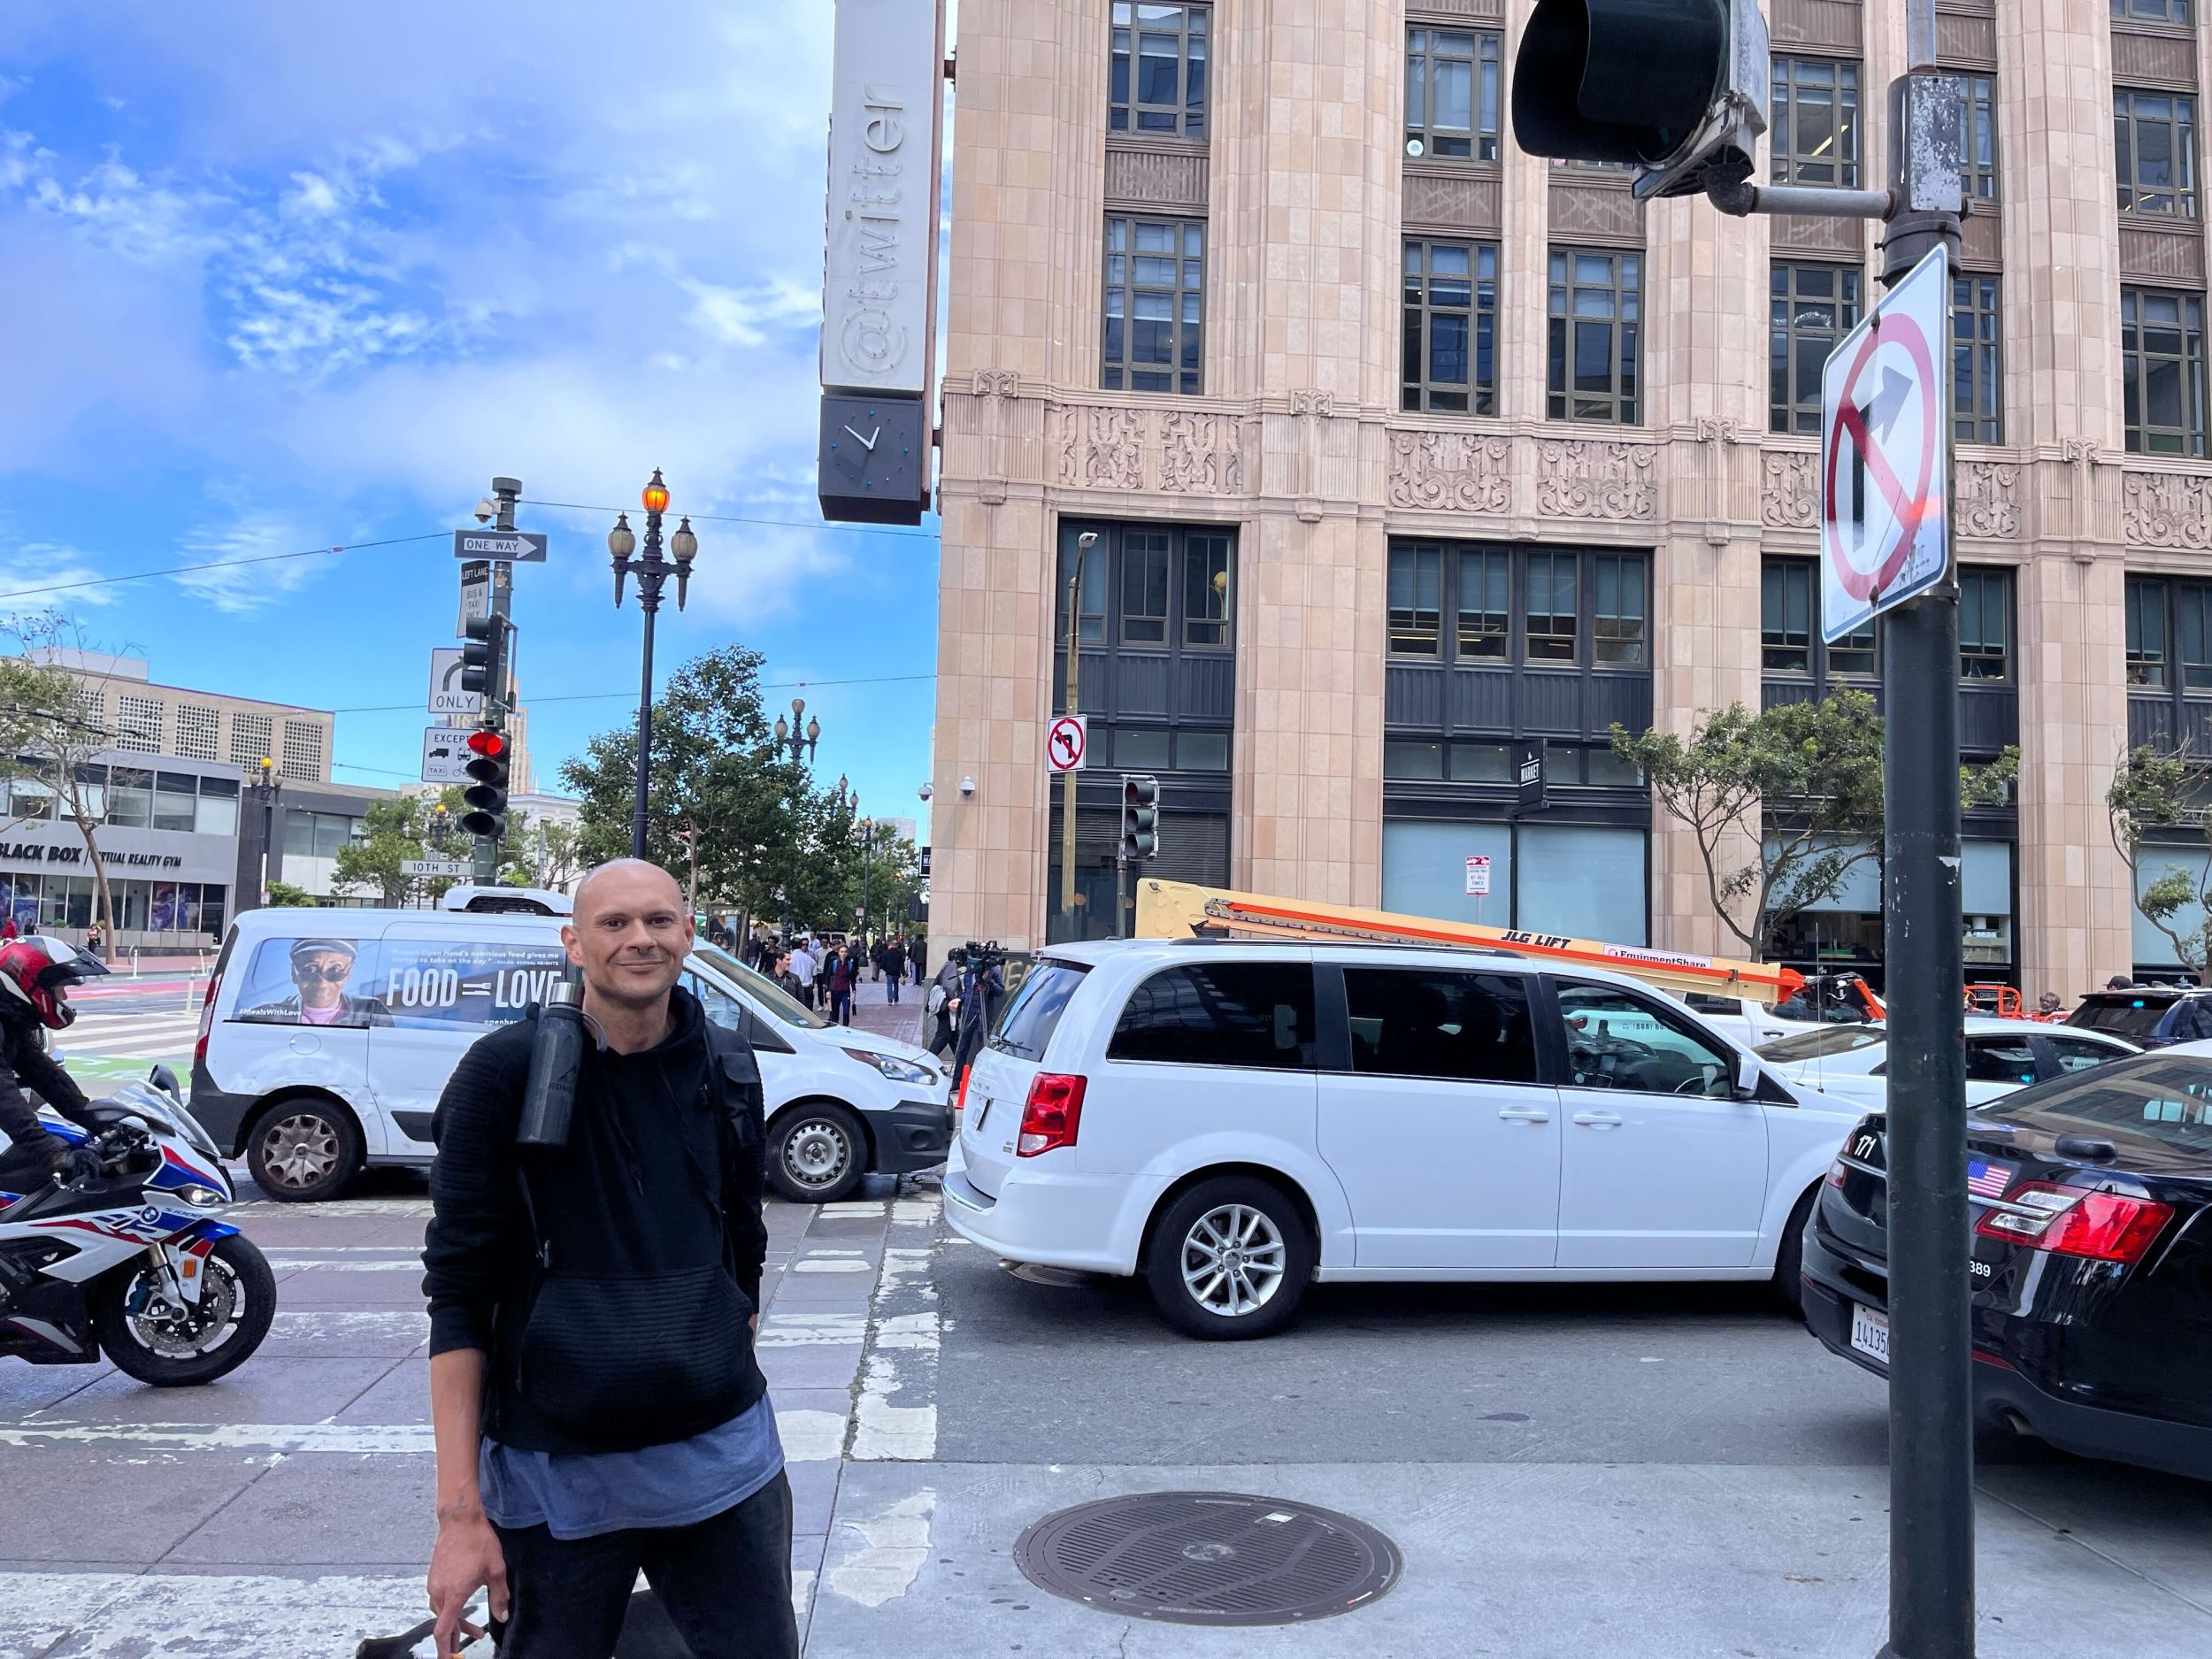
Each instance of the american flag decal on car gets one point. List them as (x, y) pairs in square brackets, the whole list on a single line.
[(1986, 1179)]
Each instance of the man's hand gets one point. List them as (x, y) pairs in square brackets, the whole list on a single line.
[(466, 1558)]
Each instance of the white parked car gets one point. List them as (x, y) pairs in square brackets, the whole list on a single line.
[(328, 1036), (1851, 1063), (1234, 1120)]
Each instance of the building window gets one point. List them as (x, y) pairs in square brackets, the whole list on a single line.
[(1977, 404), (1550, 615), (1789, 636), (1617, 623), (1156, 285), (1977, 113), (1810, 308), (1159, 70), (1594, 328), (1815, 126), (1206, 591), (140, 723), (1417, 603), (196, 731), (2146, 631), (2155, 138), (2161, 350), (252, 738), (1144, 588), (1451, 328), (1486, 604), (1452, 93), (1985, 623), (303, 755), (92, 707), (1473, 588), (2181, 12)]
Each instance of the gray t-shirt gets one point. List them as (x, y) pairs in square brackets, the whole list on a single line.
[(581, 1494)]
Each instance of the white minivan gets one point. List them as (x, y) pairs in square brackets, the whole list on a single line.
[(328, 1036), (1234, 1120)]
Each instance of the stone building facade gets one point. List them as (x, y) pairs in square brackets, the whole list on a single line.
[(1405, 447)]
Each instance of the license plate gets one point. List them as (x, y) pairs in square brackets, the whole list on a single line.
[(1870, 1332)]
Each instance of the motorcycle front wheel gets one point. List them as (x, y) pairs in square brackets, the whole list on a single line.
[(153, 1340)]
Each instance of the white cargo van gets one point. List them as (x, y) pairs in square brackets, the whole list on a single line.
[(328, 1034)]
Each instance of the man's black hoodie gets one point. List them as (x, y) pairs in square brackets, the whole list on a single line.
[(655, 1179)]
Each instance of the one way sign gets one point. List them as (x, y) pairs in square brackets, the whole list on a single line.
[(1886, 454), (520, 547)]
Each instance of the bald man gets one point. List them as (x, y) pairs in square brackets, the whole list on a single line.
[(596, 1408)]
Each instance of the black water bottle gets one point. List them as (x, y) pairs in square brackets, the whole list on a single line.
[(549, 1096)]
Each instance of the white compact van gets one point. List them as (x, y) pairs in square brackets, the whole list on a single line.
[(328, 1036)]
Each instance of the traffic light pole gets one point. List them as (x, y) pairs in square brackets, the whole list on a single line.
[(500, 605), (1930, 1298)]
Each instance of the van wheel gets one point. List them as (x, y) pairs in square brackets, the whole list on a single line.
[(1230, 1258), (1789, 1260), (816, 1154), (305, 1151)]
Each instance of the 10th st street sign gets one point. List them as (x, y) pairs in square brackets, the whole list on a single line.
[(1885, 453), (520, 547)]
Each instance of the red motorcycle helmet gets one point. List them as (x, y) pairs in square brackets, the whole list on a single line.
[(39, 970)]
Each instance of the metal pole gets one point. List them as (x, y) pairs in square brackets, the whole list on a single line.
[(1067, 779), (1930, 1382), (650, 597)]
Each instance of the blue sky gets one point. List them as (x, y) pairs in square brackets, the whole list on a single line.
[(274, 278)]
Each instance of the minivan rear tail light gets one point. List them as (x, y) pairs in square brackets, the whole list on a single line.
[(207, 1019), (1051, 1115), (2101, 1226)]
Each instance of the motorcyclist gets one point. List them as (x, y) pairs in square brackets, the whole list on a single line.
[(35, 974)]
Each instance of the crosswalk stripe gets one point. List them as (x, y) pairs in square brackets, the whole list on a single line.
[(809, 1436)]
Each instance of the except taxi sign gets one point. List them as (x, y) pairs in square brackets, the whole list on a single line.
[(1885, 453), (1066, 741)]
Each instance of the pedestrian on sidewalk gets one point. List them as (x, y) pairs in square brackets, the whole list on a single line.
[(917, 951), (625, 1265), (844, 976), (894, 968), (802, 969), (783, 976), (875, 959), (943, 1006)]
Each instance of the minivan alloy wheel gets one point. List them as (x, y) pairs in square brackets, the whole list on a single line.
[(1233, 1260)]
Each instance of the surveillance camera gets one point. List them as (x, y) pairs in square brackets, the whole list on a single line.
[(485, 511), (967, 786), (926, 791)]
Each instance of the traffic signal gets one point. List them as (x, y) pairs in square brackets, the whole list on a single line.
[(1140, 818), (484, 656), (486, 797), (1678, 88)]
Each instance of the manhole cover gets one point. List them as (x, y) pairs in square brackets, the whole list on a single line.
[(1209, 1558)]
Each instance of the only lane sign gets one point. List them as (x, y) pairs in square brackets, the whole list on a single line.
[(1884, 454)]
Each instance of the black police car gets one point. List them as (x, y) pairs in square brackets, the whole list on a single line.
[(2151, 1015), (2091, 1259)]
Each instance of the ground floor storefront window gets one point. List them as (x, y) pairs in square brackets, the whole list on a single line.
[(1584, 881), (1844, 930), (151, 911)]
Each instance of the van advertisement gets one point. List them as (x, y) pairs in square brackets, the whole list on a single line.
[(423, 984)]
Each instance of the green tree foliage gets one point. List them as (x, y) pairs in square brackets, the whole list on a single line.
[(1782, 803), (284, 894), (392, 831), (730, 816), (2152, 791)]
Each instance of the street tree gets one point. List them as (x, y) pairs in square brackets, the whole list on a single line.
[(1782, 804), (723, 811), (284, 894), (2154, 792), (55, 716), (397, 831)]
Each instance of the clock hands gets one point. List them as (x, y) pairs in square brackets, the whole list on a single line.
[(868, 442)]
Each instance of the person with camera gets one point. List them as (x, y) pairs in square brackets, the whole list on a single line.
[(943, 1004), (595, 1404)]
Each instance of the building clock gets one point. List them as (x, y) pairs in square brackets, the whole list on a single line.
[(873, 462)]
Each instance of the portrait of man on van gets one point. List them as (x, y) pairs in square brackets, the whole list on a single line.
[(319, 971)]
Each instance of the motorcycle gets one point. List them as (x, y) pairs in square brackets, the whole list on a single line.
[(133, 1262)]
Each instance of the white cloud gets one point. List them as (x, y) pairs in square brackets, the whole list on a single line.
[(734, 317), (49, 574), (243, 577)]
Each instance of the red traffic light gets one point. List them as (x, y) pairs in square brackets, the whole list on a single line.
[(491, 745)]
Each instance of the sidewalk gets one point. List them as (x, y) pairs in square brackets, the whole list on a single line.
[(902, 1019)]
